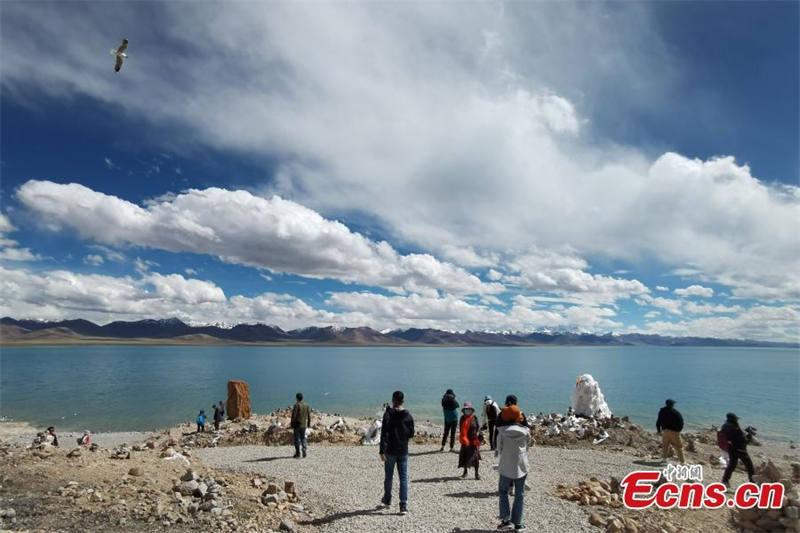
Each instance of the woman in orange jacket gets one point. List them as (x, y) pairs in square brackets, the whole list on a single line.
[(470, 438)]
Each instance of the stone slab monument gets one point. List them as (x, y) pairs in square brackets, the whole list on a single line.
[(238, 405)]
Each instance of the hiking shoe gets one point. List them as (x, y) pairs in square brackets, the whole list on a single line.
[(304, 454), (477, 476), (505, 525), (384, 504), (296, 456), (441, 449), (403, 510), (519, 527)]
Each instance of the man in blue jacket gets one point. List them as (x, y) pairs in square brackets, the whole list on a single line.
[(397, 428)]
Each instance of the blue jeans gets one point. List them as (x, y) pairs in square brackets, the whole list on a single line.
[(402, 472), (300, 439), (519, 499)]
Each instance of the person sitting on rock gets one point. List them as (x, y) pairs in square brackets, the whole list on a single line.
[(201, 422), (85, 440), (52, 432), (737, 448)]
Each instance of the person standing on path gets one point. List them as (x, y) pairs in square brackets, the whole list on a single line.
[(222, 409), (301, 420), (469, 437), (669, 425), (737, 448), (450, 410), (396, 430), (490, 413), (218, 414), (201, 422), (513, 440)]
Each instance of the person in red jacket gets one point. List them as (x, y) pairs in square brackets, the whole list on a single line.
[(470, 439)]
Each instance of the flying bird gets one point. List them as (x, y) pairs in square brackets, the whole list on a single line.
[(120, 54)]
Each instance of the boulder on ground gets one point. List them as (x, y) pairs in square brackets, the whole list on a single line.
[(238, 405)]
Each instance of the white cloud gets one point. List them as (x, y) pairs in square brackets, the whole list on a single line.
[(239, 227), (667, 304), (662, 288), (482, 107), (109, 163), (564, 274), (695, 290), (467, 257), (190, 271), (94, 260), (759, 322), (9, 250), (710, 309)]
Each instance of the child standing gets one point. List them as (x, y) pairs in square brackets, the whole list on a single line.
[(201, 422)]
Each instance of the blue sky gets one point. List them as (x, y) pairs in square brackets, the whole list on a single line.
[(549, 166)]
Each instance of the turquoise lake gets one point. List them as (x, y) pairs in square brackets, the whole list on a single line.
[(108, 388)]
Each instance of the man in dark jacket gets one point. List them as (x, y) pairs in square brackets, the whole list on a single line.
[(218, 415), (737, 448), (669, 425), (397, 428), (450, 410), (301, 420)]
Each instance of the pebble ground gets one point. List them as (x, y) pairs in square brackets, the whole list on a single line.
[(342, 486)]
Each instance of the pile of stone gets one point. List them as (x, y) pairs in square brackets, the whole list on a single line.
[(197, 494), (273, 496), (787, 518), (556, 429), (592, 492)]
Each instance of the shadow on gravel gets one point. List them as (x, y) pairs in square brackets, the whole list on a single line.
[(425, 453), (348, 514), (435, 479), (642, 462), (265, 459), (481, 494), (457, 530)]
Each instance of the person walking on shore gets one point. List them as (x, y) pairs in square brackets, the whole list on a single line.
[(450, 410), (201, 422), (490, 413), (669, 425), (396, 430), (513, 440), (218, 414), (736, 447), (301, 420), (469, 438)]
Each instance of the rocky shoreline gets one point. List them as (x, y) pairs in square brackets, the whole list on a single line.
[(165, 480)]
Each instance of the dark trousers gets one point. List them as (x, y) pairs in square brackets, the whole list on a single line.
[(216, 425), (492, 435), (733, 459), (201, 428), (451, 428)]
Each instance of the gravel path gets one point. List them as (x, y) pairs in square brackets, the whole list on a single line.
[(342, 486)]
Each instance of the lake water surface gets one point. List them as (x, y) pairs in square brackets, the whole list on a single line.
[(106, 388)]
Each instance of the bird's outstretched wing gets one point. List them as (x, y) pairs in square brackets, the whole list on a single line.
[(123, 46), (119, 63)]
